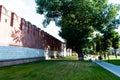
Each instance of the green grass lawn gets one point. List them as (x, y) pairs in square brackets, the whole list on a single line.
[(114, 61), (56, 70)]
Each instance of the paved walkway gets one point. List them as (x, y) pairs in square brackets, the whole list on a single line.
[(110, 67)]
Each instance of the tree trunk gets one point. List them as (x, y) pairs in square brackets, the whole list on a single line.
[(108, 57), (80, 55), (115, 50), (104, 53)]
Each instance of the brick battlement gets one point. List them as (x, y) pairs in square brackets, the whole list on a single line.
[(16, 31)]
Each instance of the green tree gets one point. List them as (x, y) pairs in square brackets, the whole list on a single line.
[(78, 19), (115, 42), (110, 39), (98, 43), (106, 44)]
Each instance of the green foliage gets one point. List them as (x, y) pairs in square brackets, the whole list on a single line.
[(111, 37), (115, 40), (78, 19), (98, 43)]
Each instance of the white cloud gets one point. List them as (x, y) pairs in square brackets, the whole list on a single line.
[(14, 5)]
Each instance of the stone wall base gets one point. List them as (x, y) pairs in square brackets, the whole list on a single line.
[(19, 61)]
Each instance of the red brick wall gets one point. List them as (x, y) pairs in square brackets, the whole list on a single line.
[(23, 33)]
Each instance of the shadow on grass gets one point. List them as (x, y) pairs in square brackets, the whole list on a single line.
[(53, 60), (44, 62)]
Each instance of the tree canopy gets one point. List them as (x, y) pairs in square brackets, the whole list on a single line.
[(78, 19)]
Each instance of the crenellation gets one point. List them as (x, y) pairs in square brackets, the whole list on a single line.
[(26, 27), (21, 23), (15, 20), (16, 17), (5, 16), (0, 11), (3, 9), (35, 30), (29, 27), (12, 19)]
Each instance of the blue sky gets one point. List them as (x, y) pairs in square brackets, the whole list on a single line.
[(27, 9)]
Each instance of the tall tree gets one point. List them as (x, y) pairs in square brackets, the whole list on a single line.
[(106, 43), (78, 19), (115, 42), (98, 43), (110, 38)]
